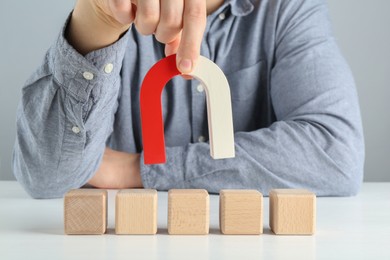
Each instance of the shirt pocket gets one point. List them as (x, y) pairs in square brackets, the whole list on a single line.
[(244, 82)]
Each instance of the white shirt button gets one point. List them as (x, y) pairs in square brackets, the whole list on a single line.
[(201, 139), (75, 130), (222, 16), (200, 88), (88, 75), (108, 68)]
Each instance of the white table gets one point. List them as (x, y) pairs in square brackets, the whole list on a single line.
[(347, 228)]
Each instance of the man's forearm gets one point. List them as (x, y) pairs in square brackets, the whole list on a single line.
[(118, 170), (69, 151)]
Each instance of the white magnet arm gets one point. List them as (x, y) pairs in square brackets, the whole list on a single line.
[(219, 108)]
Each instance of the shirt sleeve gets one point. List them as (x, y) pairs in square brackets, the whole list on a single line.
[(65, 116), (317, 141)]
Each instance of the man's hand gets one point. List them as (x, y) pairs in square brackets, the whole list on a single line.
[(179, 24), (118, 170)]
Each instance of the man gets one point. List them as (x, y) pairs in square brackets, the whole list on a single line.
[(295, 109)]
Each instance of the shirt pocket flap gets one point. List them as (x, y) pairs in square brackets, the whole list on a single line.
[(244, 82)]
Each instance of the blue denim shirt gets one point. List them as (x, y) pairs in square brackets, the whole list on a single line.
[(295, 108)]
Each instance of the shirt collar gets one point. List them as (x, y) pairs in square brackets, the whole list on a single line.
[(240, 7)]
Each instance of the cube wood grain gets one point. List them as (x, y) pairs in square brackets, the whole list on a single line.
[(136, 212), (188, 212), (292, 212), (241, 212), (85, 212)]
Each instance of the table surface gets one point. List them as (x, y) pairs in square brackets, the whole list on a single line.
[(347, 228)]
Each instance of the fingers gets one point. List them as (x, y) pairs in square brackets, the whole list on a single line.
[(171, 20), (122, 10), (147, 16), (172, 46), (194, 23), (179, 24)]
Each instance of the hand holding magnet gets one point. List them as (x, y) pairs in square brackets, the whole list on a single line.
[(219, 109)]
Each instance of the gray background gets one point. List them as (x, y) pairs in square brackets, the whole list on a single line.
[(27, 29)]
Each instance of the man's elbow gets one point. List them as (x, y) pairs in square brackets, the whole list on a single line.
[(350, 183), (41, 182), (349, 178), (38, 188), (40, 192)]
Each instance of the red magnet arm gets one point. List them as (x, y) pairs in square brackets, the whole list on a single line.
[(151, 111)]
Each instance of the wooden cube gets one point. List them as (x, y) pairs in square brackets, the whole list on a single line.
[(136, 212), (292, 212), (85, 211), (188, 212), (241, 212)]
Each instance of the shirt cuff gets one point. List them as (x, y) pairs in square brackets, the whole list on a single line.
[(79, 74), (168, 175)]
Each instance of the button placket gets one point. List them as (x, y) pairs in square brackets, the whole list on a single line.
[(198, 109)]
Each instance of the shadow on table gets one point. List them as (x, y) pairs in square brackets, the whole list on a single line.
[(57, 232), (111, 231), (212, 231)]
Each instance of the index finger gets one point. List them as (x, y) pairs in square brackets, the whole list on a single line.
[(194, 24)]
